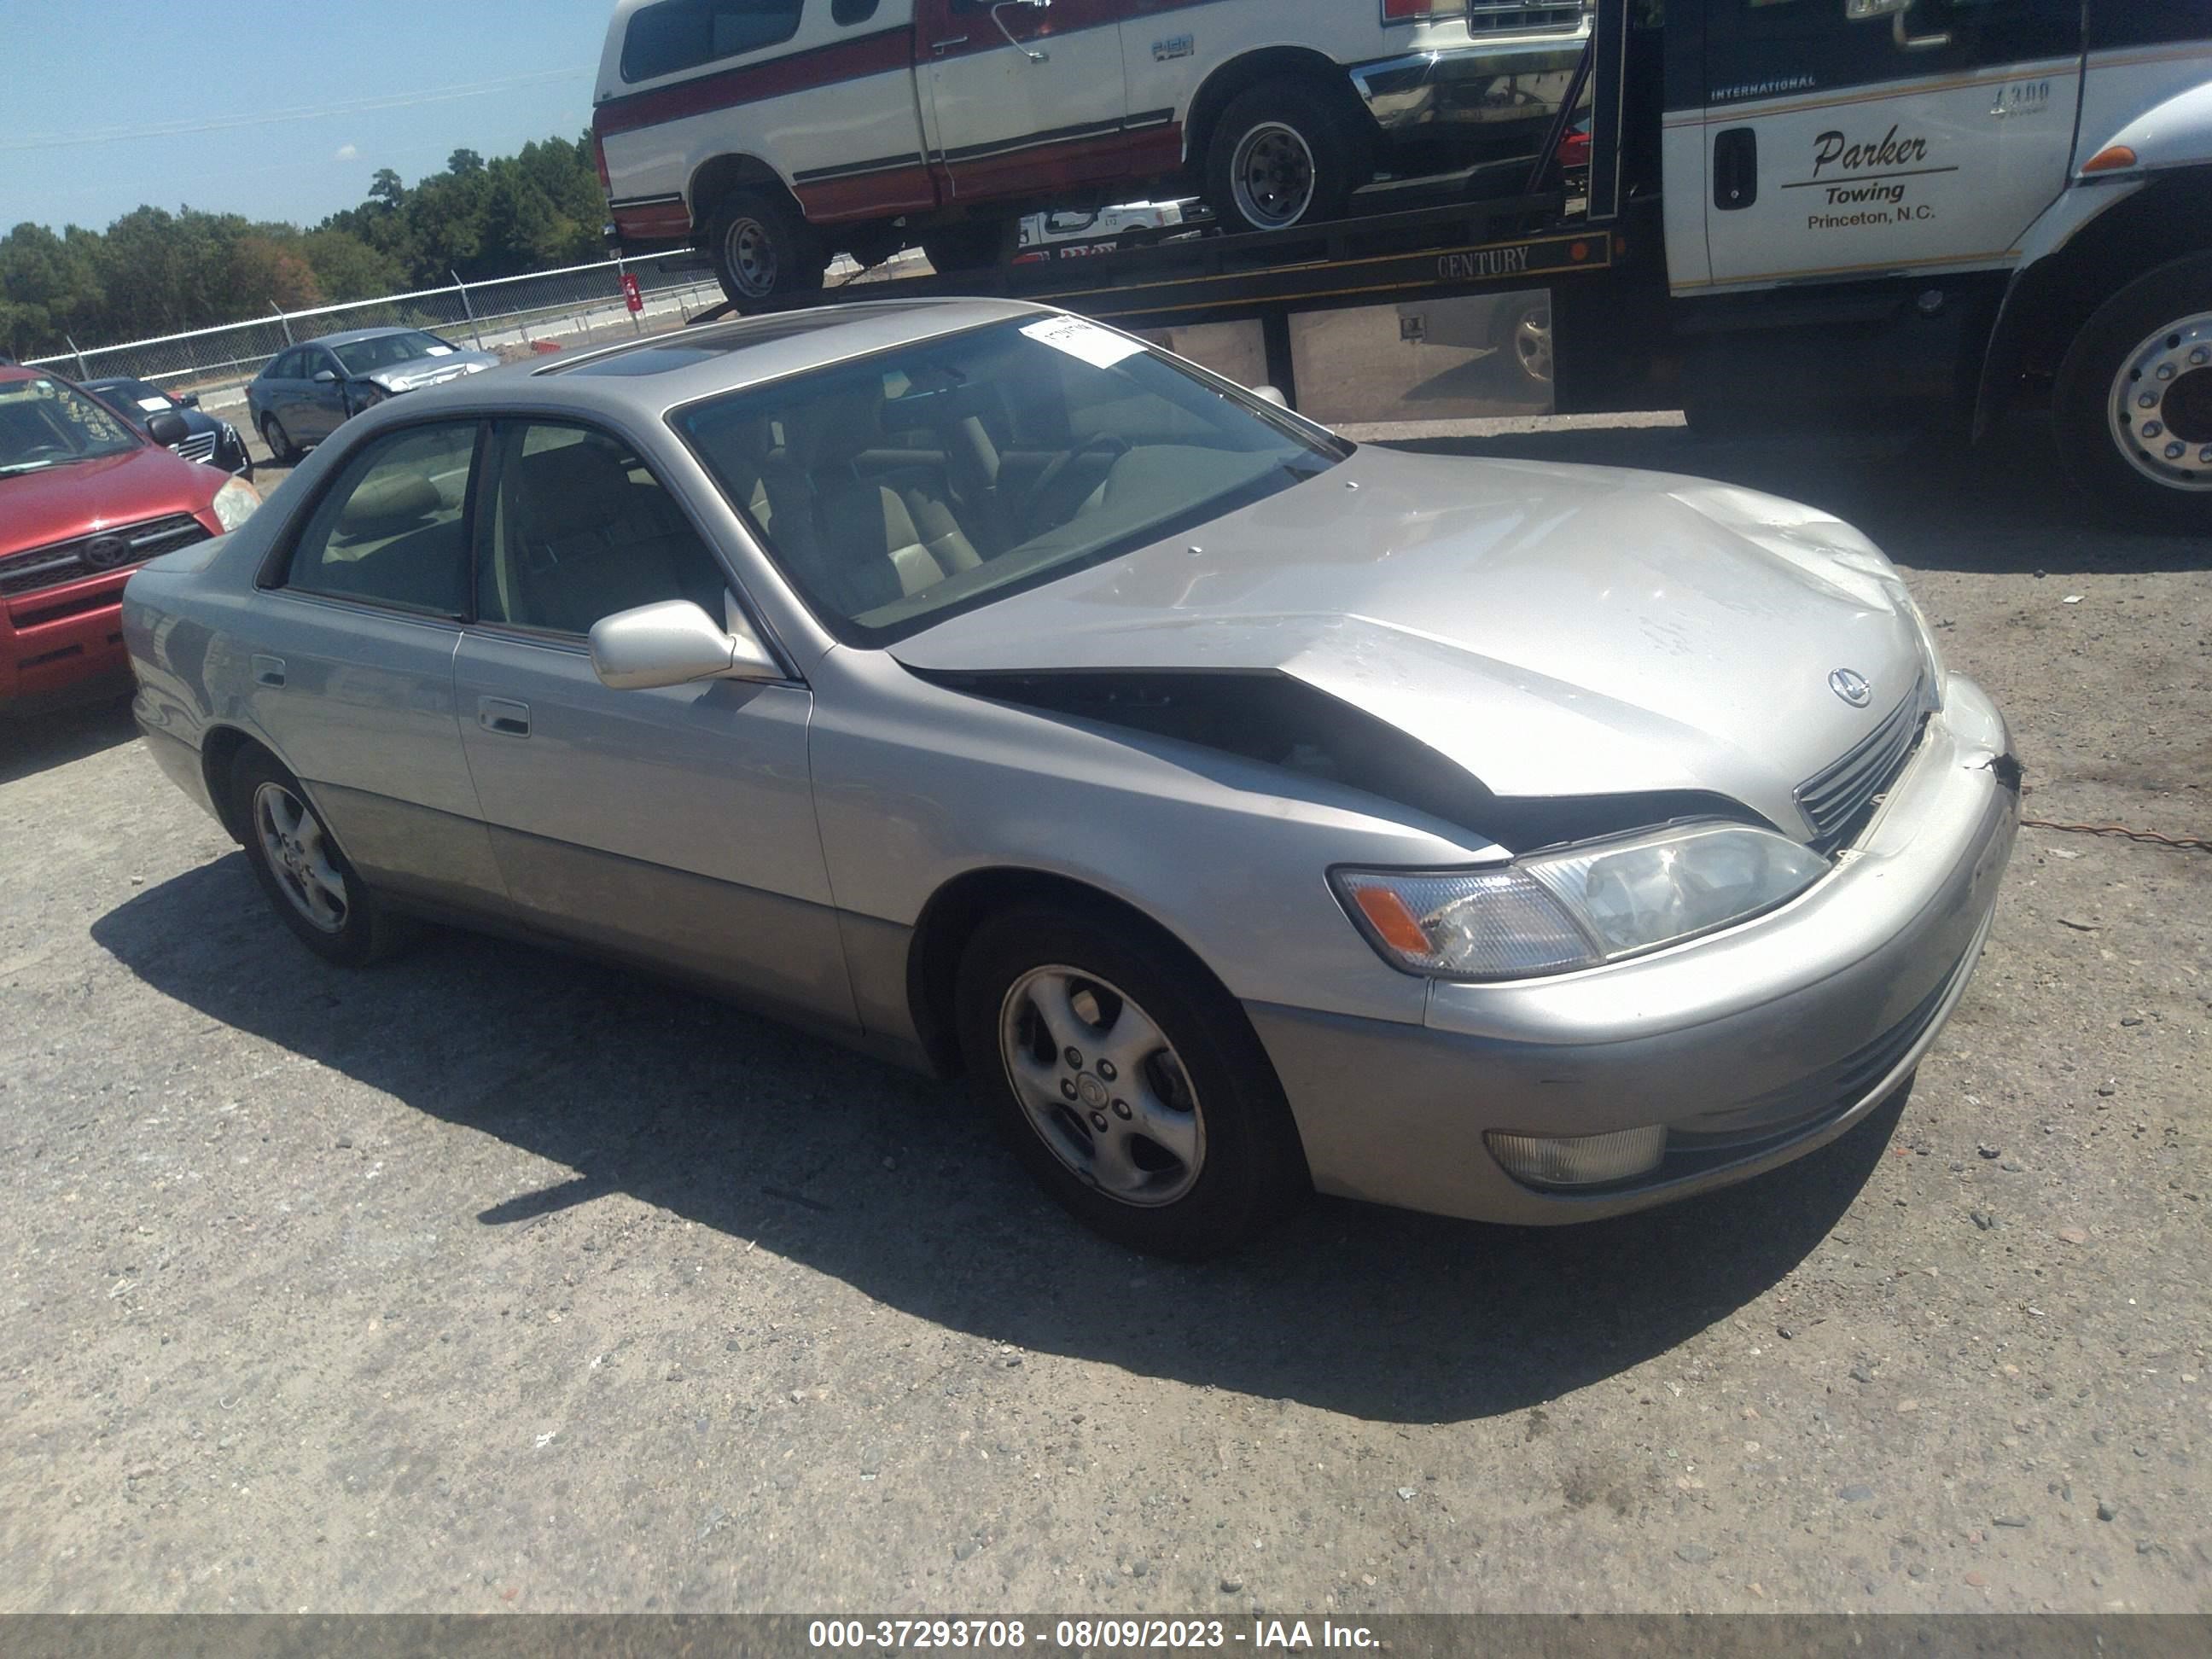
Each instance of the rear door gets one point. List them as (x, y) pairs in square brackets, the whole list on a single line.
[(1020, 99), (352, 673), (1848, 138)]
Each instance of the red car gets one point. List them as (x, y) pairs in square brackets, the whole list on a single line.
[(84, 497)]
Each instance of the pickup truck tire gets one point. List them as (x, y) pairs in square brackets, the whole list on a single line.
[(761, 248), (1283, 152), (2132, 409), (954, 248)]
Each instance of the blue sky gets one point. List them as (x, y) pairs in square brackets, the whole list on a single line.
[(276, 111)]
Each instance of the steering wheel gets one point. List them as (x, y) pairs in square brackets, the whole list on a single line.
[(1039, 492)]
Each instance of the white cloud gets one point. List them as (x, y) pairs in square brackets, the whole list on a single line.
[(346, 153)]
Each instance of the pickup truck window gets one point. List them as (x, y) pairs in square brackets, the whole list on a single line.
[(682, 34), (899, 489), (846, 13)]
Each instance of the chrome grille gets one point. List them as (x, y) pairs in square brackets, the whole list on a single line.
[(1489, 17), (117, 547), (197, 447), (1835, 800)]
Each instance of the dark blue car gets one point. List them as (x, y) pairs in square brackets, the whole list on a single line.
[(209, 437)]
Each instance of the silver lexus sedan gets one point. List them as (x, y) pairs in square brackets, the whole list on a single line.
[(1245, 810)]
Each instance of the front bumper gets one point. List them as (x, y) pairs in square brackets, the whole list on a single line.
[(61, 643), (1752, 1046), (1465, 90)]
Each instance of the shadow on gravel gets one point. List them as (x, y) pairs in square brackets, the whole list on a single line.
[(1929, 506), (894, 1184), (39, 742)]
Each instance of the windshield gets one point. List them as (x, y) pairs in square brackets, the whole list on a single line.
[(132, 395), (905, 487), (389, 351), (44, 422)]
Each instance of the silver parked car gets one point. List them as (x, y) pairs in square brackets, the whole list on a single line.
[(1244, 810), (304, 393)]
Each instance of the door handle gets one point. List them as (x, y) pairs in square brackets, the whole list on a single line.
[(1735, 168), (268, 671), (508, 719), (947, 46)]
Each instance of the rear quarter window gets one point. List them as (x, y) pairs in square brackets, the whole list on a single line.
[(675, 35)]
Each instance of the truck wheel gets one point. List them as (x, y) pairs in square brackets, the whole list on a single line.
[(761, 248), (2133, 409), (1521, 330), (954, 248), (1284, 154)]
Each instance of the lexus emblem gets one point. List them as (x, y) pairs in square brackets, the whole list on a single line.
[(1851, 686), (106, 552)]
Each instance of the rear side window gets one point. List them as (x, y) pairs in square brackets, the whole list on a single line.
[(681, 34), (846, 13), (393, 528)]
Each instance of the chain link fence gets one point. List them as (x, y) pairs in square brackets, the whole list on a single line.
[(577, 304)]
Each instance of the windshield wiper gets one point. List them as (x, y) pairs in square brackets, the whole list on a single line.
[(12, 467)]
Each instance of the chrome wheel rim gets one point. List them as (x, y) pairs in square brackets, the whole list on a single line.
[(301, 857), (2161, 407), (749, 253), (1532, 342), (1102, 1086), (1273, 176)]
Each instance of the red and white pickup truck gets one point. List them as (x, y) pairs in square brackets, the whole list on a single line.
[(772, 133)]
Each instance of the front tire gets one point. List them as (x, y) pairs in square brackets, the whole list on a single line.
[(316, 892), (2132, 409), (1283, 154), (762, 250), (1125, 1080)]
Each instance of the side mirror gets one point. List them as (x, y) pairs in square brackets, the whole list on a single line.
[(324, 377), (1267, 394), (675, 643), (167, 429), (190, 400)]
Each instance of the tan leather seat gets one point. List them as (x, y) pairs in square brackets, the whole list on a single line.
[(589, 541)]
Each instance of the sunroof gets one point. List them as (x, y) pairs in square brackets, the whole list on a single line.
[(701, 345)]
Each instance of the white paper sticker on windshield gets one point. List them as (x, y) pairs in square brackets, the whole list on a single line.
[(153, 405), (1077, 338), (439, 351)]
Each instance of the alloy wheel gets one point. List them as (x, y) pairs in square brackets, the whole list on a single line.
[(301, 857), (1102, 1086)]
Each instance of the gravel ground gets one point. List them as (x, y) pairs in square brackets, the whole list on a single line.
[(491, 1280)]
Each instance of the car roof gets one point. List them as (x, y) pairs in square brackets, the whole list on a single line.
[(650, 376), (348, 335)]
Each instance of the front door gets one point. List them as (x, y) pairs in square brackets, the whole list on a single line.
[(1022, 99), (678, 824), (1849, 138)]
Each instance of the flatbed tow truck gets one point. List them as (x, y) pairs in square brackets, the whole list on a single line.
[(1800, 213)]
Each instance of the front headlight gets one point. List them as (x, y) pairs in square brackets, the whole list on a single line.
[(234, 503), (1579, 907)]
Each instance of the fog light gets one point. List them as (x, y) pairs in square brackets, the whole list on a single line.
[(1579, 1160)]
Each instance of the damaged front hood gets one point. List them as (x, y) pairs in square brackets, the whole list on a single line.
[(1554, 630)]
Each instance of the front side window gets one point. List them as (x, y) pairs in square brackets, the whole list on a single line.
[(1768, 48), (393, 529), (844, 13), (45, 422), (681, 34), (901, 488), (579, 530)]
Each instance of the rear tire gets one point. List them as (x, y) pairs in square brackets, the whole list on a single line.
[(1081, 1030), (2151, 340), (762, 250), (1285, 153), (282, 449), (308, 882)]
